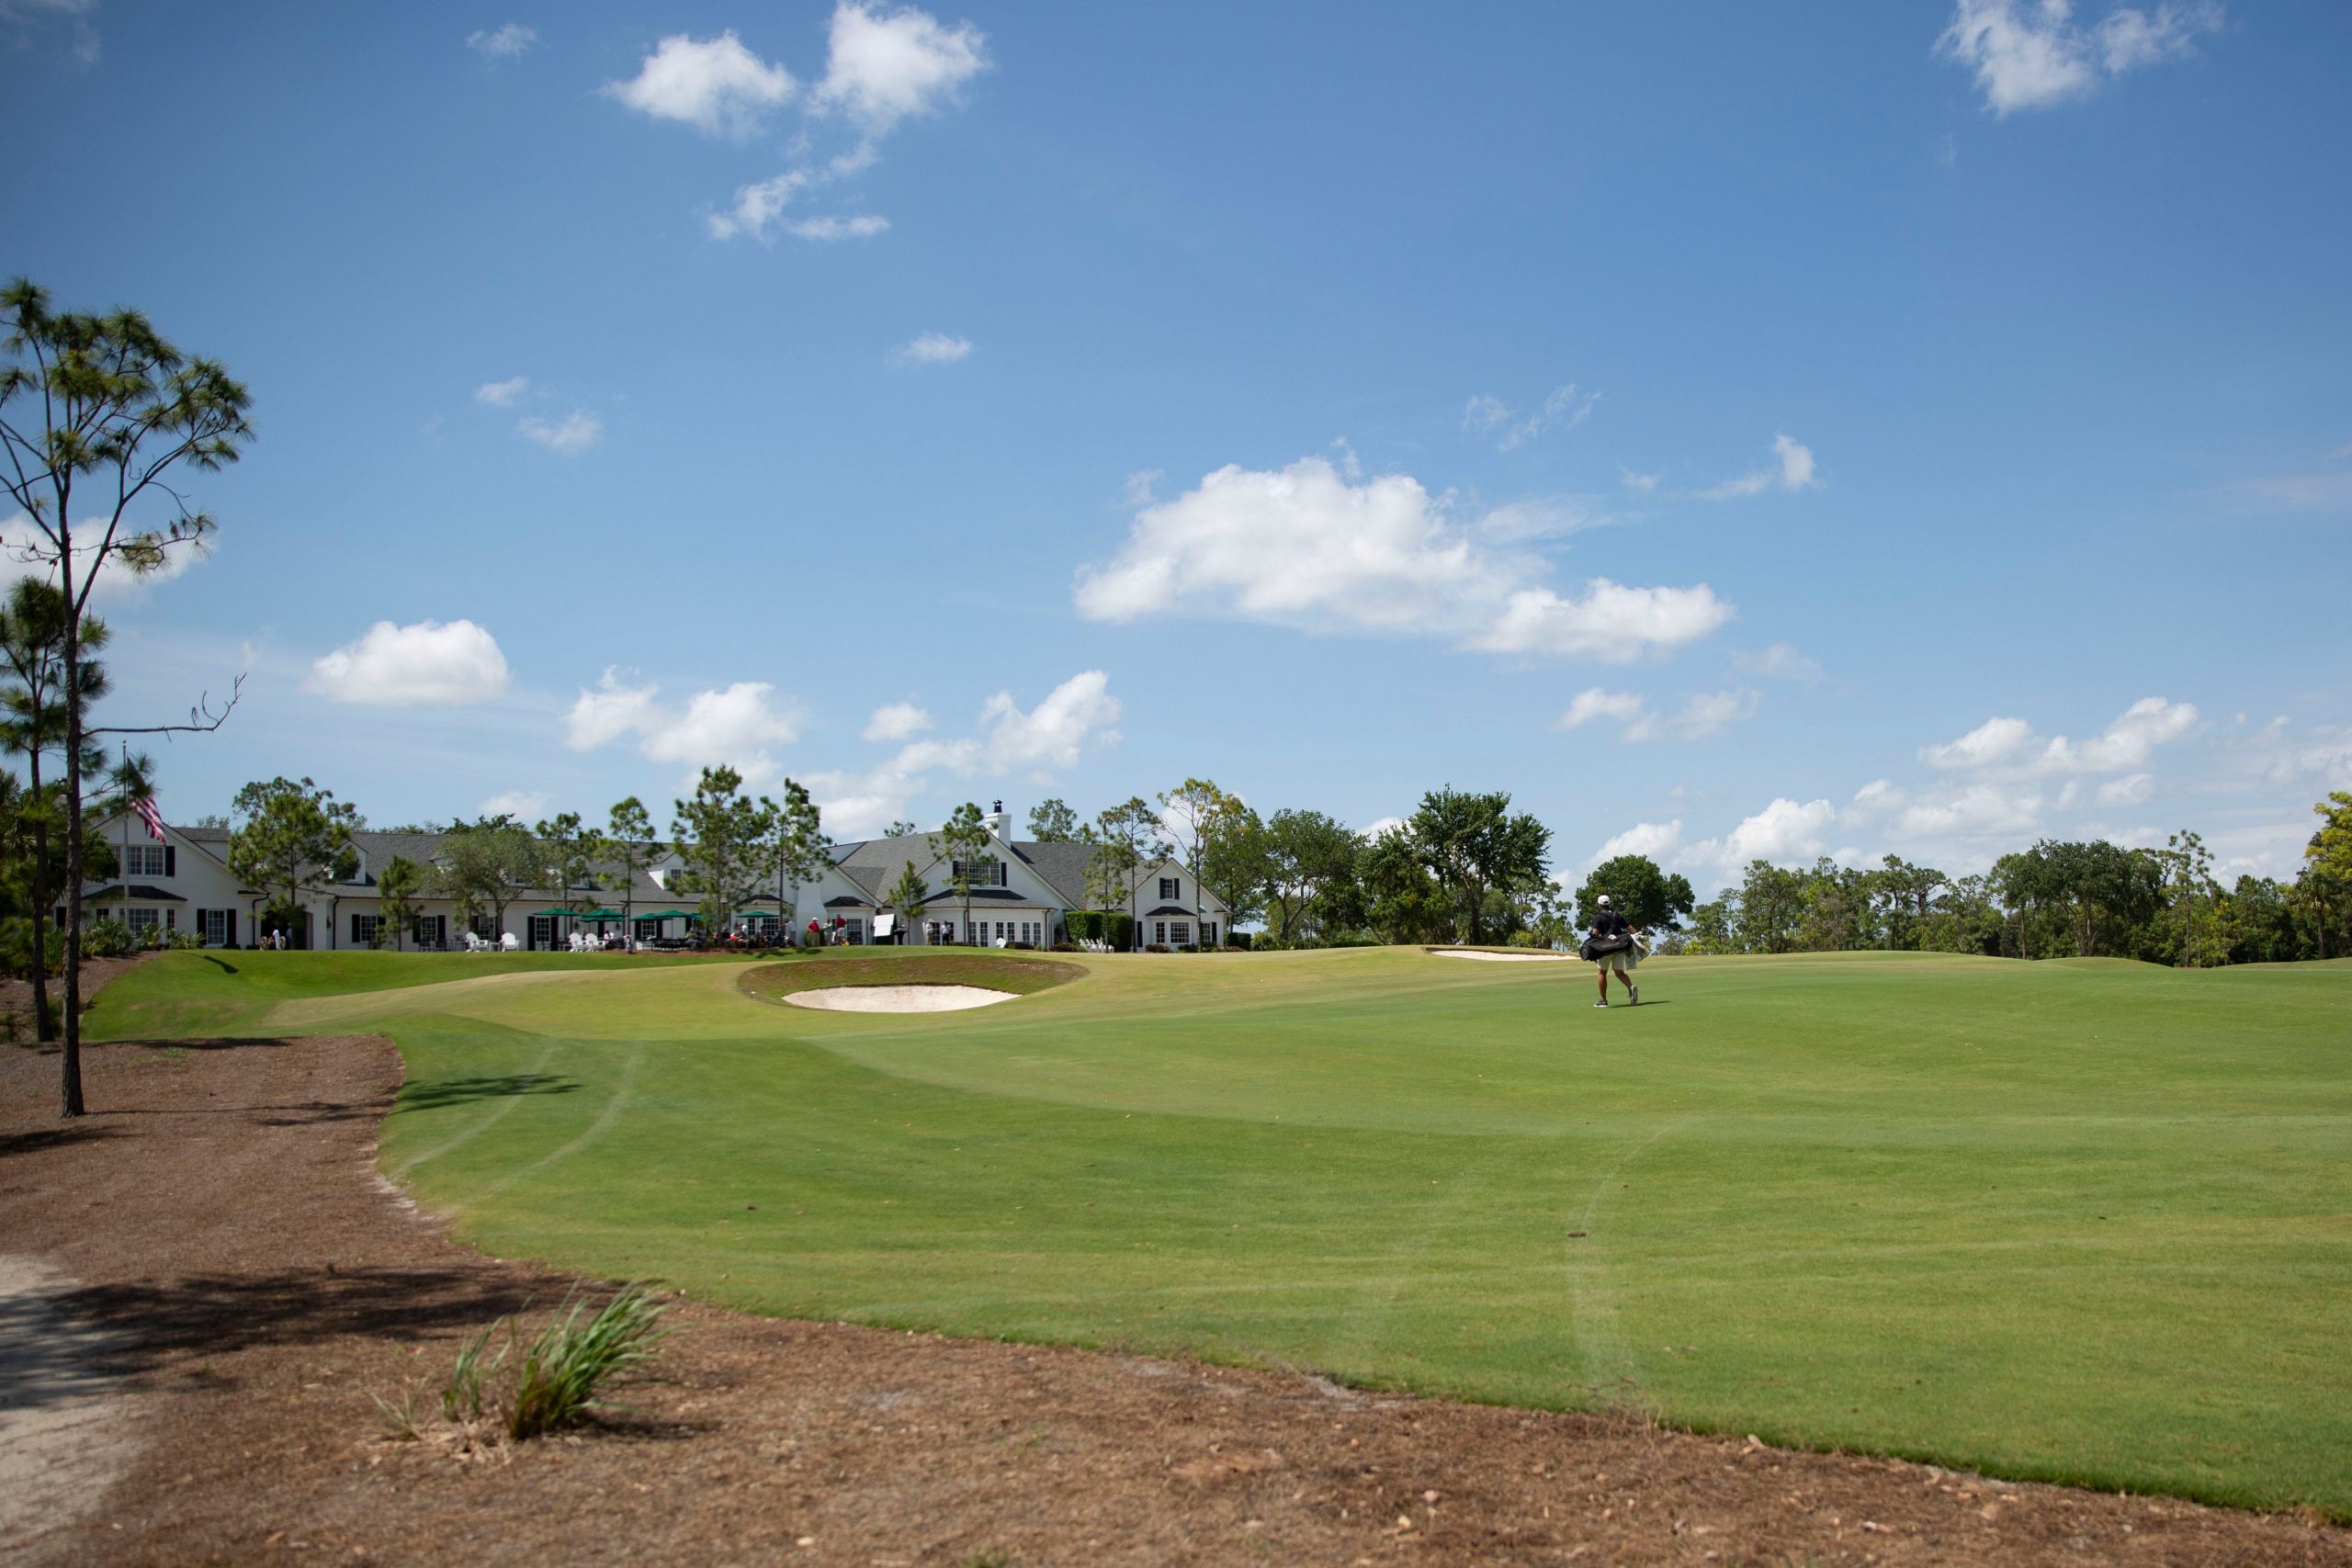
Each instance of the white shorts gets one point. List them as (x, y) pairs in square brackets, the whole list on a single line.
[(1616, 961)]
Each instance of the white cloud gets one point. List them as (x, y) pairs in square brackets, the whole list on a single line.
[(1706, 712), (503, 43), (758, 205), (933, 348), (1658, 840), (1640, 483), (522, 804), (2126, 743), (1782, 660), (899, 721), (1310, 547), (2030, 54), (1700, 715), (1879, 795), (1793, 471), (714, 85), (1075, 716), (578, 430), (2009, 746), (887, 66), (1142, 487), (1994, 740), (1594, 703), (1977, 810), (736, 725), (1301, 546), (837, 228), (1379, 825), (1564, 409), (1783, 832), (427, 664), (2133, 789), (1612, 622), (502, 394), (1554, 517), (26, 552)]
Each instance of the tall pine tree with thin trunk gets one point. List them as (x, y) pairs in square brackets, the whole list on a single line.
[(96, 412)]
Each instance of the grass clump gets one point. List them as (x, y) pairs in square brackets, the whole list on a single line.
[(559, 1378)]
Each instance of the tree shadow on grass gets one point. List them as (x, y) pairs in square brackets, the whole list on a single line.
[(444, 1092)]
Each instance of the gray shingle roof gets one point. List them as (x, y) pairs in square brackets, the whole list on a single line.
[(1063, 865), (422, 848)]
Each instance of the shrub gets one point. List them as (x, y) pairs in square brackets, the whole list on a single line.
[(105, 937), (1023, 946), (1238, 941), (1068, 947), (1154, 947), (1186, 947)]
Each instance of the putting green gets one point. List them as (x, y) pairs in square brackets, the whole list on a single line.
[(2086, 1222)]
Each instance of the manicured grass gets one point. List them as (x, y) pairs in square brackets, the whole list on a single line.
[(2081, 1222)]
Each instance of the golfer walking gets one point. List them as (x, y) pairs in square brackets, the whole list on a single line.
[(1607, 925)]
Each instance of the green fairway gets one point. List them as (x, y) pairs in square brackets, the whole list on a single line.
[(2087, 1222)]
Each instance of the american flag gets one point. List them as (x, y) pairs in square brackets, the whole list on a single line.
[(145, 807)]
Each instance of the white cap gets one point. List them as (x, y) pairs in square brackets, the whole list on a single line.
[(1604, 900)]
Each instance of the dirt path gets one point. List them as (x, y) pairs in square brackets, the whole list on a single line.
[(227, 1227)]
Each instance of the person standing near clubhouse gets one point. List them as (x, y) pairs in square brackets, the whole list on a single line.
[(1608, 922)]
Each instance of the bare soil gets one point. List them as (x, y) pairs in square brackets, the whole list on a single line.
[(251, 1282)]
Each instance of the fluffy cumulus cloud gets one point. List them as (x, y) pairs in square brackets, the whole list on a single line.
[(2030, 54), (1609, 621), (571, 436), (887, 66), (1656, 840), (25, 551), (883, 67), (1074, 717), (738, 725), (1314, 546), (714, 85), (427, 664), (1790, 469), (502, 44), (2010, 746), (899, 721), (522, 804), (933, 348)]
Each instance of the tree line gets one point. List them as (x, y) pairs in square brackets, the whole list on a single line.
[(2056, 899)]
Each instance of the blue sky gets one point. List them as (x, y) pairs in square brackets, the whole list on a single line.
[(1735, 432)]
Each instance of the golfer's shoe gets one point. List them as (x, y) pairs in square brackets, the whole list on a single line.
[(1602, 1003), (1635, 991)]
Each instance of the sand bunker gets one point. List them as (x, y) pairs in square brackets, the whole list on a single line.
[(1505, 957), (897, 999)]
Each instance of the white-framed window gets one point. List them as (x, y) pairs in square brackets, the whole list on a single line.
[(1159, 932), (142, 920), (364, 929), (484, 926), (432, 931), (213, 926), (542, 932), (1179, 932), (853, 931), (1208, 933), (145, 860), (1171, 887)]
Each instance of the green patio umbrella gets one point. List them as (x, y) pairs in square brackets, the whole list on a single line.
[(535, 913), (599, 917), (670, 915)]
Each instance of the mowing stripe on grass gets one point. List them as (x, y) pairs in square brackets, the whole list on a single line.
[(497, 1113), (1608, 1362), (623, 1092)]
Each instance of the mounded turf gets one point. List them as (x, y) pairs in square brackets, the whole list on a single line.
[(2086, 1222)]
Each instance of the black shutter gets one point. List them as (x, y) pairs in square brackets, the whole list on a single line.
[(171, 859), (231, 931)]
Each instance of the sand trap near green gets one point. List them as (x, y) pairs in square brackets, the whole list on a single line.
[(897, 999), (2078, 1222)]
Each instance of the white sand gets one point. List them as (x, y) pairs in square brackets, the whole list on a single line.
[(897, 999), (1505, 957), (65, 1431)]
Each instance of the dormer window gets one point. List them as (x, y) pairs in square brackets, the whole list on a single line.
[(988, 874), (1171, 887), (147, 859)]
